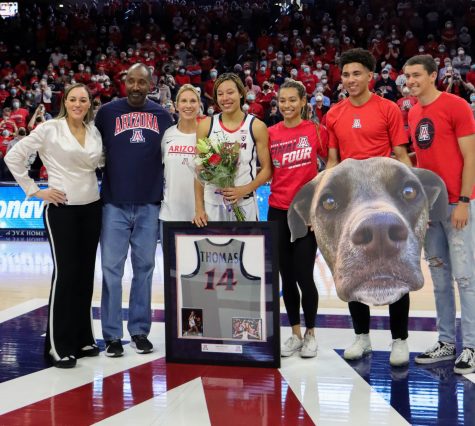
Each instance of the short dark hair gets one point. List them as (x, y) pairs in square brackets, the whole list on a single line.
[(144, 67), (427, 62), (360, 56)]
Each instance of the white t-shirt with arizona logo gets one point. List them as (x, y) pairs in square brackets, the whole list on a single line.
[(178, 151)]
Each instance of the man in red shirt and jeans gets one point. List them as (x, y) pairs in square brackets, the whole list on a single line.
[(443, 131)]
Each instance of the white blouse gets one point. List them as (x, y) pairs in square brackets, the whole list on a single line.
[(71, 168)]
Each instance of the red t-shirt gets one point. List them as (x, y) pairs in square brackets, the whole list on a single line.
[(435, 129), (294, 157), (365, 131), (20, 117)]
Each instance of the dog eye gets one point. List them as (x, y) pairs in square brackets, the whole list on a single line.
[(409, 193), (329, 203)]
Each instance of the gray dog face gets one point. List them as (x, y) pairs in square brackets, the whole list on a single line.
[(369, 218)]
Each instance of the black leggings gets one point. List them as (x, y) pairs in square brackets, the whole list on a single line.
[(73, 234), (296, 263), (398, 317)]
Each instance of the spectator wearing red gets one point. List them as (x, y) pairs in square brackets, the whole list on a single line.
[(193, 69), (309, 80), (254, 107), (181, 77), (405, 104), (82, 76), (470, 77), (65, 63), (449, 35), (410, 45), (209, 85), (19, 115), (21, 69), (266, 95), (8, 130), (263, 73)]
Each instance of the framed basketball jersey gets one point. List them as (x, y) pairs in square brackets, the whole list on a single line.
[(221, 293)]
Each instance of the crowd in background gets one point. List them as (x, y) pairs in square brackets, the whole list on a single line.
[(43, 50)]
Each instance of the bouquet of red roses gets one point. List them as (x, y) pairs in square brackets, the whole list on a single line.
[(217, 163)]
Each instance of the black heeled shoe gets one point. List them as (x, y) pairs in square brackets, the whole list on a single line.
[(65, 362), (89, 351)]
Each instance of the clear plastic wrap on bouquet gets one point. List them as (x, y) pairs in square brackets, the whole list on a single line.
[(216, 162)]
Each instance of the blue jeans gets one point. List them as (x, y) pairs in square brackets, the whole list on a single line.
[(450, 254), (123, 225)]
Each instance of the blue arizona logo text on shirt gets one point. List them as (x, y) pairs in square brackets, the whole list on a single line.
[(136, 120), (425, 131)]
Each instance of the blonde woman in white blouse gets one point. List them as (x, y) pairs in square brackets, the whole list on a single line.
[(70, 147)]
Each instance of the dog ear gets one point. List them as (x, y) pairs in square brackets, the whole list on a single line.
[(298, 215), (436, 192)]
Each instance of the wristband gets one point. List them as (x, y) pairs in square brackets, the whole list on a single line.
[(463, 199)]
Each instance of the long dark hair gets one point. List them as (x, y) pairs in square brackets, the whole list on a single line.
[(301, 92)]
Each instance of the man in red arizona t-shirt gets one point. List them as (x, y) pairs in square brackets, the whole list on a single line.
[(363, 126), (443, 131)]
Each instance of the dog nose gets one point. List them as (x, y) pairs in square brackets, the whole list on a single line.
[(380, 235)]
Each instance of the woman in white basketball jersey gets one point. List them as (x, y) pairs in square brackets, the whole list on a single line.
[(178, 152), (229, 94)]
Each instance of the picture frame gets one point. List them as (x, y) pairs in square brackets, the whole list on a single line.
[(222, 293)]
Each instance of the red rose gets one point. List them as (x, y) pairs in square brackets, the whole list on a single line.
[(215, 159)]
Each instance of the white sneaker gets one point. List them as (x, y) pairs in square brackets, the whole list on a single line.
[(360, 347), (399, 353), (309, 348), (291, 345)]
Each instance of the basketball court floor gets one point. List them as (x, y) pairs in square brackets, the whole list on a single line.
[(145, 390)]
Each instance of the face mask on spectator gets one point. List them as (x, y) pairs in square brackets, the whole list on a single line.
[(279, 69), (324, 81), (81, 67), (472, 98), (213, 74), (13, 92), (210, 111), (16, 104), (263, 69), (247, 72), (2, 87), (251, 97)]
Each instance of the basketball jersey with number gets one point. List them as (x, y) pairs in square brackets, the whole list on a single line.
[(247, 156), (221, 287)]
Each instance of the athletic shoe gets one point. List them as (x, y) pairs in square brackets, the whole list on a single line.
[(291, 345), (141, 344), (360, 347), (89, 351), (399, 353), (114, 348), (309, 347), (441, 351), (465, 363)]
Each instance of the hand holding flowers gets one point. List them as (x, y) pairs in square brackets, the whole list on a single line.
[(217, 163)]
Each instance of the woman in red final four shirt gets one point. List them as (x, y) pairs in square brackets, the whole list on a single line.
[(294, 145)]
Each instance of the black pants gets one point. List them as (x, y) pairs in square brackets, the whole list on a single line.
[(296, 263), (73, 233), (398, 317)]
